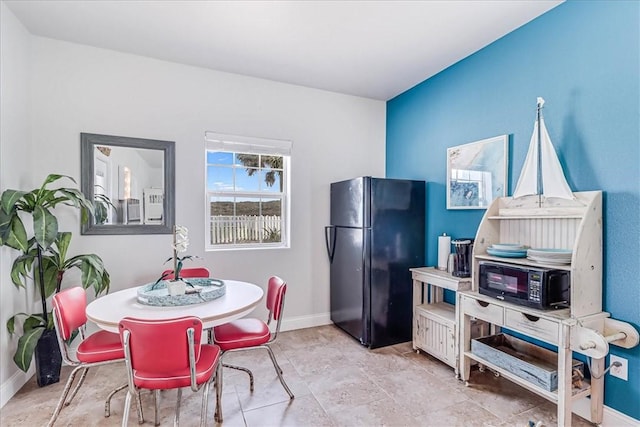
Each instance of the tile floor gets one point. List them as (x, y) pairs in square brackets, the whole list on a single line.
[(336, 381)]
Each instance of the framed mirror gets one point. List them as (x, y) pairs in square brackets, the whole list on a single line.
[(131, 181)]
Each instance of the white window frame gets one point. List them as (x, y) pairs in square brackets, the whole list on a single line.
[(249, 145)]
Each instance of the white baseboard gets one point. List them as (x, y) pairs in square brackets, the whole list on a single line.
[(610, 417), (11, 386), (302, 322)]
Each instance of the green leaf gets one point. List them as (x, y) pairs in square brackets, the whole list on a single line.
[(84, 216), (90, 275), (5, 223), (29, 201), (73, 336), (45, 227), (26, 347), (9, 199), (93, 259), (106, 282), (11, 325), (62, 242), (104, 200), (32, 322), (16, 238), (51, 201), (101, 213), (76, 197), (51, 273), (93, 272), (54, 177), (51, 324), (45, 197), (21, 268), (80, 201), (75, 194)]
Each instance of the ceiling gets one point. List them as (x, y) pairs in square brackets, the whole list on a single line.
[(373, 49)]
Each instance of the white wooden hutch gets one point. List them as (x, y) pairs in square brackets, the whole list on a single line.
[(583, 328)]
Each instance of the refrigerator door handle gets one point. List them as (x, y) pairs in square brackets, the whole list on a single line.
[(330, 241)]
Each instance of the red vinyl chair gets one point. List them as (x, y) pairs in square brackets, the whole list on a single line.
[(168, 354), (187, 272), (251, 333), (96, 349)]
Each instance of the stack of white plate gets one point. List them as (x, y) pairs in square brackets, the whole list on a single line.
[(550, 256), (507, 250)]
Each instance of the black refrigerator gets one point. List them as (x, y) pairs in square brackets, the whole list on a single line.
[(377, 233)]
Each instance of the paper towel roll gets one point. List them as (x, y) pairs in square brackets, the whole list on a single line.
[(444, 249)]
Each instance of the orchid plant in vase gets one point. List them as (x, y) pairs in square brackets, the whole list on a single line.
[(176, 285)]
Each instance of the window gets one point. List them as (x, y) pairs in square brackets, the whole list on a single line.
[(247, 186)]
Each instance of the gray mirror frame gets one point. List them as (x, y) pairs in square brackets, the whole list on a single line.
[(88, 141)]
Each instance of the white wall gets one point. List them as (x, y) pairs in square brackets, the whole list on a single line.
[(77, 89), (16, 171)]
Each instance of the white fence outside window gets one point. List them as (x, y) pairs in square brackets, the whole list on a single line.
[(247, 228)]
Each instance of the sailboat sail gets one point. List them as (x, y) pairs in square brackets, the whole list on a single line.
[(542, 172)]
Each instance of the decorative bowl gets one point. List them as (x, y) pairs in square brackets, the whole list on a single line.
[(197, 290)]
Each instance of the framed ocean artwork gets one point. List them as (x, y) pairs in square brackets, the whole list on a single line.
[(477, 173)]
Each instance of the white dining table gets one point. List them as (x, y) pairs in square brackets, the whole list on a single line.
[(239, 300)]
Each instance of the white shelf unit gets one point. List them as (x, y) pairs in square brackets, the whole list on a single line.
[(434, 320), (559, 224)]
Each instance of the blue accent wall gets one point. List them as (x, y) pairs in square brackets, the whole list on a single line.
[(583, 58)]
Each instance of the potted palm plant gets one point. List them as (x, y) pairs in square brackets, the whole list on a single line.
[(43, 251)]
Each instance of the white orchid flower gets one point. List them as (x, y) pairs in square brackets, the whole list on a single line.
[(181, 247), (182, 231), (181, 238), (180, 244)]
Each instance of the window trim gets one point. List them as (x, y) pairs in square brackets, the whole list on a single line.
[(249, 145)]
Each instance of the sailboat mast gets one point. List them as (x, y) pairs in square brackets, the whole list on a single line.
[(540, 188)]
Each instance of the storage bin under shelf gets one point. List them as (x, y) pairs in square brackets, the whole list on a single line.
[(552, 396), (533, 363)]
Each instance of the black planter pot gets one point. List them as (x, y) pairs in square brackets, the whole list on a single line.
[(48, 359)]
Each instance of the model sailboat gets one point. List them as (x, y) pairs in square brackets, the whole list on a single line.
[(542, 173)]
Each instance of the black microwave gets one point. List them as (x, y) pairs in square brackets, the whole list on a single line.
[(536, 287)]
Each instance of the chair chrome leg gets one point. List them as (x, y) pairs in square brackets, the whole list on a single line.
[(77, 387), (205, 403), (218, 411), (65, 392), (127, 407), (273, 357), (279, 372), (240, 368), (139, 405), (107, 403), (176, 420), (156, 398)]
